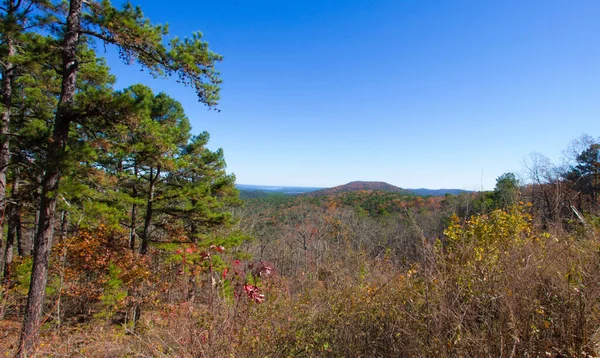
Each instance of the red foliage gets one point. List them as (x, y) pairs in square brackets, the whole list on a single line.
[(254, 294)]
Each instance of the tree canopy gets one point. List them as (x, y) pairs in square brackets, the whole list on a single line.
[(81, 154)]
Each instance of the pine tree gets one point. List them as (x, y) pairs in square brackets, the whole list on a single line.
[(200, 192), (189, 59), (585, 174), (15, 17)]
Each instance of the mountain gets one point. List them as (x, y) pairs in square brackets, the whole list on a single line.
[(360, 186), (259, 191), (437, 192), (253, 191)]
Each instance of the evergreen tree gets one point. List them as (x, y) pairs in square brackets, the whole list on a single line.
[(15, 17), (189, 59), (506, 192), (199, 192), (33, 97), (585, 174)]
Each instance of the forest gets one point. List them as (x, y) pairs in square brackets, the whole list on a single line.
[(123, 235)]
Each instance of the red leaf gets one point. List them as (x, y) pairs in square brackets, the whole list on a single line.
[(217, 248)]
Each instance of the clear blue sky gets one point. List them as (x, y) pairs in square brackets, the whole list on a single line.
[(437, 94)]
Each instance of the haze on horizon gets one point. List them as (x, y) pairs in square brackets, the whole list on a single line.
[(432, 94)]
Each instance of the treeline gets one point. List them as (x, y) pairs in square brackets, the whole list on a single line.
[(566, 192), (475, 274), (563, 195), (93, 179), (297, 233)]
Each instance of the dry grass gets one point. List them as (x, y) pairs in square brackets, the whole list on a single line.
[(497, 288)]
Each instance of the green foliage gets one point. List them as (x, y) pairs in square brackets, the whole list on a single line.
[(190, 59), (123, 159), (584, 174), (260, 194), (379, 203), (506, 192), (114, 293), (22, 274)]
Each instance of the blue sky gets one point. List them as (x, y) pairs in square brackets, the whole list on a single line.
[(437, 94)]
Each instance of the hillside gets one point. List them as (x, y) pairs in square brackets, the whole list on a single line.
[(246, 189), (437, 192), (360, 186), (260, 191)]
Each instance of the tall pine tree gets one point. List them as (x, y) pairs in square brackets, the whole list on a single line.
[(190, 59)]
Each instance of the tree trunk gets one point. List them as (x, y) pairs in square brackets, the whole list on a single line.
[(153, 178), (56, 150), (16, 225), (132, 233), (64, 223), (546, 199), (132, 227), (13, 224), (148, 218), (8, 253), (7, 84), (36, 223)]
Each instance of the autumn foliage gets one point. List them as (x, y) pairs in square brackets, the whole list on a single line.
[(96, 270), (494, 286)]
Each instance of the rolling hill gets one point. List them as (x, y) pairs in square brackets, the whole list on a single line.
[(259, 191), (360, 186), (437, 192)]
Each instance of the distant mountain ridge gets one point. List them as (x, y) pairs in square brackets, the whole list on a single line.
[(358, 186), (438, 192), (256, 191), (270, 189)]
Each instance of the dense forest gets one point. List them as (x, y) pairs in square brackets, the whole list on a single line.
[(123, 235)]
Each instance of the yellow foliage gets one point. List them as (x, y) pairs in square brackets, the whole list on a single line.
[(489, 236)]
